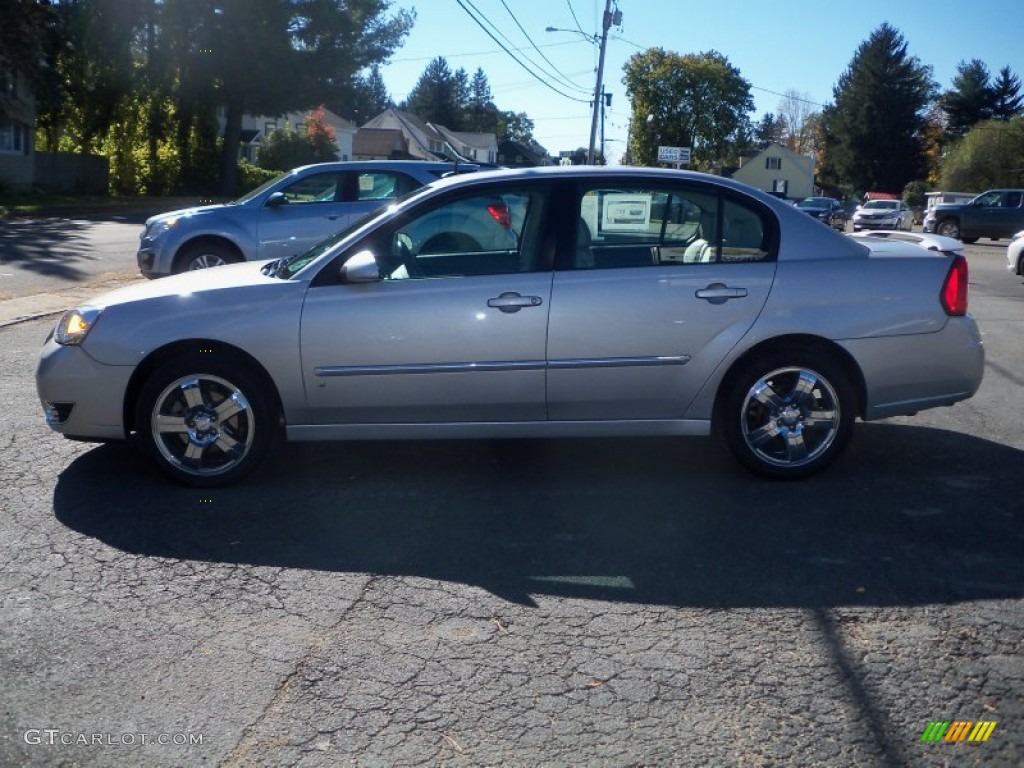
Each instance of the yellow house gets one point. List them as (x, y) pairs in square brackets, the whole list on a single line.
[(779, 171)]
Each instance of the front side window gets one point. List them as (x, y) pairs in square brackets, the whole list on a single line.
[(489, 233), (645, 226), (316, 188)]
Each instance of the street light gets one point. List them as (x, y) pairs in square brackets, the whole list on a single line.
[(608, 19)]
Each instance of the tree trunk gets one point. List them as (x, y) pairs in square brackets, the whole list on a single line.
[(229, 154)]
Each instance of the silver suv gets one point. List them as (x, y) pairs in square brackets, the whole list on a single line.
[(283, 217)]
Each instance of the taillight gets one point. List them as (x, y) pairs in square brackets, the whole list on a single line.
[(954, 289), (500, 213)]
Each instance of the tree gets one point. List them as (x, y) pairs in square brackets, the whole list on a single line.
[(370, 97), (797, 116), (873, 131), (769, 130), (1007, 100), (991, 154), (285, 149), (695, 100), (29, 39), (437, 96), (970, 100)]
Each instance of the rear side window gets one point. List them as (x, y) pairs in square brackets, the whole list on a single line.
[(635, 226)]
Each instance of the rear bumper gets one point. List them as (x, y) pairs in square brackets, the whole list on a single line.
[(907, 374)]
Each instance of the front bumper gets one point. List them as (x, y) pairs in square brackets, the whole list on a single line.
[(81, 398)]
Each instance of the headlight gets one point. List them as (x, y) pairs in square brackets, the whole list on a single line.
[(74, 325), (161, 226)]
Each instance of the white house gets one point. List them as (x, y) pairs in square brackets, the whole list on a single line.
[(779, 171)]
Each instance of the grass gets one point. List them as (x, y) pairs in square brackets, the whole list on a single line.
[(35, 204)]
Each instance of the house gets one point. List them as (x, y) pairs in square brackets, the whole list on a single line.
[(428, 141), (17, 132), (779, 171), (380, 144), (516, 154), (256, 129)]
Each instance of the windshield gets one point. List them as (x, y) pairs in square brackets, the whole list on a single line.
[(814, 202), (882, 204)]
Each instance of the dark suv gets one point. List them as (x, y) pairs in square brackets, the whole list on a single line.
[(996, 213)]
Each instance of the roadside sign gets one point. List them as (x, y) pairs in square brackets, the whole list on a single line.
[(677, 155)]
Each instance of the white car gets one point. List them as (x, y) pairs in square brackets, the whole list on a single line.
[(882, 214), (1015, 254)]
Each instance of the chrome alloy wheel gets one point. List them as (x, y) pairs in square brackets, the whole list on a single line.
[(790, 417), (202, 424), (206, 260)]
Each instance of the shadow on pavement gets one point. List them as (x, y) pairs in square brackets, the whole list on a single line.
[(50, 247), (909, 515)]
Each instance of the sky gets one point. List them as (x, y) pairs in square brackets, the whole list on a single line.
[(777, 46)]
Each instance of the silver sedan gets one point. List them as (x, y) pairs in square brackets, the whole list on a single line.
[(606, 301)]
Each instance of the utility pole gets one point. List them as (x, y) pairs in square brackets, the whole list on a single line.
[(606, 23)]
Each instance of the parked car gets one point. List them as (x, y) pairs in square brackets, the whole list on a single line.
[(825, 209), (882, 214), (996, 213), (285, 216), (1015, 254), (627, 302)]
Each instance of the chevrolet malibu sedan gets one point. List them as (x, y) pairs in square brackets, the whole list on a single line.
[(617, 301)]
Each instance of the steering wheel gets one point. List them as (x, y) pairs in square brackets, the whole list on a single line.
[(402, 248)]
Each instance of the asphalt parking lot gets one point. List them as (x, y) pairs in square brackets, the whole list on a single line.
[(582, 602)]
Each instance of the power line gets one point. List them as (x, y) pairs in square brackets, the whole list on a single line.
[(554, 67), (545, 83)]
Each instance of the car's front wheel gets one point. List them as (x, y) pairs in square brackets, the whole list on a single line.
[(204, 255), (207, 422), (788, 414)]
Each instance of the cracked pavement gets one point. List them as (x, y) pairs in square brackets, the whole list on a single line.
[(520, 603)]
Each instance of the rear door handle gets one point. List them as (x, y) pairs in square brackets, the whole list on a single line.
[(510, 301), (719, 293)]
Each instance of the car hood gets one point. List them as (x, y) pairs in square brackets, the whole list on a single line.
[(812, 208), (187, 283), (197, 210)]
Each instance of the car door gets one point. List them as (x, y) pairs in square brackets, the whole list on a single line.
[(307, 211), (451, 333), (663, 282)]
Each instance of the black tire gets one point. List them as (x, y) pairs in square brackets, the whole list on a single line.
[(948, 228), (206, 419), (788, 413), (203, 255)]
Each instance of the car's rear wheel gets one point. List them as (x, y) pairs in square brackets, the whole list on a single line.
[(949, 228), (788, 414), (207, 422), (204, 255)]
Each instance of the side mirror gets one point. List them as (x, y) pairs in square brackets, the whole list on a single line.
[(360, 268), (276, 200)]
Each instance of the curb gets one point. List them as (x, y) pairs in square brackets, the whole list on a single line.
[(22, 309)]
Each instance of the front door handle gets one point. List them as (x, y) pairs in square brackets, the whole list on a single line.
[(719, 293), (510, 301)]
